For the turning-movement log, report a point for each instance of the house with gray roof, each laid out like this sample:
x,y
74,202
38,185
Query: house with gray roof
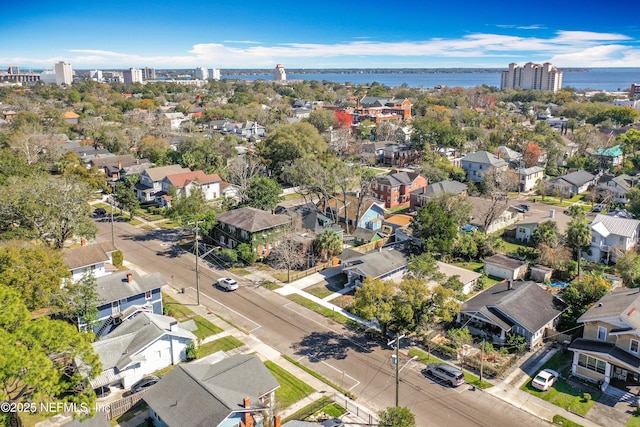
x,y
260,229
383,263
612,188
574,183
609,350
611,236
117,167
125,294
140,346
421,196
505,267
477,164
234,391
523,308
151,180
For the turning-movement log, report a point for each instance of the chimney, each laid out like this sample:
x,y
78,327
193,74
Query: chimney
x,y
509,285
246,402
276,421
129,277
83,242
173,326
119,164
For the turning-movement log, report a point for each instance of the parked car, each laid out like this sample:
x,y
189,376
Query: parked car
x,y
524,207
144,383
99,212
445,372
227,283
545,379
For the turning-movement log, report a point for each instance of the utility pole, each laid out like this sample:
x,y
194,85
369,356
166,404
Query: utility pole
x,y
481,359
397,362
113,235
197,269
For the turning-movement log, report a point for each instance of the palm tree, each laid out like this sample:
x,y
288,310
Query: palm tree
x,y
329,243
578,234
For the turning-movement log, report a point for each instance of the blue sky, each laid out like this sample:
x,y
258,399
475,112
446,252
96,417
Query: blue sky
x,y
325,34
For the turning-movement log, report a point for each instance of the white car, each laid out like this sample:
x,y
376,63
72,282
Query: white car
x,y
545,379
227,283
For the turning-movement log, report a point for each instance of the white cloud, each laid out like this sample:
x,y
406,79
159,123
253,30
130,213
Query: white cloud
x,y
565,48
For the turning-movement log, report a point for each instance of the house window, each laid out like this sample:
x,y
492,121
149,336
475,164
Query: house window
x,y
621,240
592,363
147,295
602,333
633,346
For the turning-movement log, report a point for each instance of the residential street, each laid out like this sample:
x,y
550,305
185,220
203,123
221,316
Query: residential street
x,y
323,345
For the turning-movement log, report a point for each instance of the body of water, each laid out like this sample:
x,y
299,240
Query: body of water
x,y
609,79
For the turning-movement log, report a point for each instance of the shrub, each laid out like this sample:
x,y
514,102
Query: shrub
x,y
118,258
586,397
192,351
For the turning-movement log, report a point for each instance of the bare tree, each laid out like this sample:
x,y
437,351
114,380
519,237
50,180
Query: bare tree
x,y
29,143
287,254
242,171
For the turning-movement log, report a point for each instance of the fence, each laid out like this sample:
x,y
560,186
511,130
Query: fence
x,y
355,409
305,273
115,409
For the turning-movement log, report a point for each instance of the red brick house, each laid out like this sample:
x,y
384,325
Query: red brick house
x,y
394,189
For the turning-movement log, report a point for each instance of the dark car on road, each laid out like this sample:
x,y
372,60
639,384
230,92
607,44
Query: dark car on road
x,y
144,384
99,212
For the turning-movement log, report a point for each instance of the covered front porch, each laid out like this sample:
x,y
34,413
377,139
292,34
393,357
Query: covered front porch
x,y
605,363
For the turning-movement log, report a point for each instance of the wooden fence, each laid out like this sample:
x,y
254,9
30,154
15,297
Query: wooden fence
x,y
115,409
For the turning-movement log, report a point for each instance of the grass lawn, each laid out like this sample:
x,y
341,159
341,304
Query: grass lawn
x,y
324,405
319,291
141,405
634,421
512,248
559,420
291,389
470,265
326,312
239,271
562,393
272,286
224,344
469,378
183,313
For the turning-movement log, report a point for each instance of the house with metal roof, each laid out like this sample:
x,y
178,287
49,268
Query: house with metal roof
x,y
609,350
609,157
611,236
140,346
237,390
523,308
477,164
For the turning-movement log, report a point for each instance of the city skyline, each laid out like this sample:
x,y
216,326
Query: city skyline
x,y
255,34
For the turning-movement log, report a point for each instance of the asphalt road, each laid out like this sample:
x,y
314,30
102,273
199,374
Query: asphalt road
x,y
349,360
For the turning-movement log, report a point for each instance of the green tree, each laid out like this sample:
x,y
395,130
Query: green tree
x,y
633,195
578,235
263,193
322,119
80,300
516,342
628,267
290,142
189,209
580,295
374,301
38,357
51,209
246,254
546,233
435,228
396,417
411,308
126,198
329,244
35,272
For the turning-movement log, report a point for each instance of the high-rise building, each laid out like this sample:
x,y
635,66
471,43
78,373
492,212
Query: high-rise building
x,y
64,73
148,73
532,76
202,73
132,75
214,74
279,74
13,70
635,90
96,75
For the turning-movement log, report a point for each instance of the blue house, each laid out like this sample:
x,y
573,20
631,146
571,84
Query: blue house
x,y
125,294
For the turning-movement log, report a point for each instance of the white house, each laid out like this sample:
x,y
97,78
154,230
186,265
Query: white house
x,y
530,177
141,346
468,278
151,180
611,236
93,259
186,183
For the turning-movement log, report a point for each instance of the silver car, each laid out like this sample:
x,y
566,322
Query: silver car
x,y
228,284
445,372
